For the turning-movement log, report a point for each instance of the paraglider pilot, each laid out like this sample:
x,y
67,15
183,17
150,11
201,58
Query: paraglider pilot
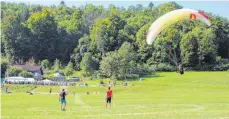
x,y
181,69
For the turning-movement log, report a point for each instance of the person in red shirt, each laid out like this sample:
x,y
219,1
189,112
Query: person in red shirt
x,y
108,97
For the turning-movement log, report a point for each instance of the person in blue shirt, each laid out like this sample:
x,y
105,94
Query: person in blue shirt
x,y
62,99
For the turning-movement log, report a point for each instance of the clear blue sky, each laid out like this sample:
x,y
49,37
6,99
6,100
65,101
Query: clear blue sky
x,y
220,8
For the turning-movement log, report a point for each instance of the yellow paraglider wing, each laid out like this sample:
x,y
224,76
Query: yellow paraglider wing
x,y
171,18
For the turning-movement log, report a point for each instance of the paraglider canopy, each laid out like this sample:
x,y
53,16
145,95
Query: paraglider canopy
x,y
173,17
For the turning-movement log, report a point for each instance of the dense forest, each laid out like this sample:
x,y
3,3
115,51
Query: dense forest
x,y
109,42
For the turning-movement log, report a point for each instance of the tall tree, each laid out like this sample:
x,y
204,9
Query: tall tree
x,y
88,64
150,5
110,65
57,66
68,69
207,49
189,48
15,37
128,59
80,51
44,36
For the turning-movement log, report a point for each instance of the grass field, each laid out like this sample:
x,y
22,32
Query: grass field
x,y
194,95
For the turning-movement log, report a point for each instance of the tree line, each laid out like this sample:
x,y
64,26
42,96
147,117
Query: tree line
x,y
110,42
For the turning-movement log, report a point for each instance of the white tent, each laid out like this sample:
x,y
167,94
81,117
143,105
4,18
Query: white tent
x,y
46,81
16,79
30,79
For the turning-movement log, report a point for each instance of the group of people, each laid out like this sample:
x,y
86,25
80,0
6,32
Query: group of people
x,y
63,102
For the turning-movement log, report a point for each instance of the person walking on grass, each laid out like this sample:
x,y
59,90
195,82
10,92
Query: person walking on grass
x,y
109,96
62,99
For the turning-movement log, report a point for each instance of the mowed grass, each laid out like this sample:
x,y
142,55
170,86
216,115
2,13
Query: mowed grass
x,y
194,95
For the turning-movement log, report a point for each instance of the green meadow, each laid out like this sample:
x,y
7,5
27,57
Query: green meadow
x,y
194,95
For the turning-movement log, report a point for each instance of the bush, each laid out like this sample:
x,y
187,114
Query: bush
x,y
143,69
57,65
26,74
129,76
221,64
13,71
68,69
96,75
4,66
164,67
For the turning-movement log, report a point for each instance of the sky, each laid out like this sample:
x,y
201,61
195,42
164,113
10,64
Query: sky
x,y
218,7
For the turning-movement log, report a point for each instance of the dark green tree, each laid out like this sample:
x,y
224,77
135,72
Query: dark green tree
x,y
88,64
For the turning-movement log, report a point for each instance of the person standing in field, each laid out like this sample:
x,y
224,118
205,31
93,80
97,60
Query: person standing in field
x,y
50,91
62,99
6,89
181,69
109,96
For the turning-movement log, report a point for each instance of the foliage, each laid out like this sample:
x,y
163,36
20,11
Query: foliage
x,y
164,67
68,69
119,63
4,66
110,65
113,37
221,64
13,71
127,59
26,74
79,51
88,64
57,66
30,61
144,69
45,64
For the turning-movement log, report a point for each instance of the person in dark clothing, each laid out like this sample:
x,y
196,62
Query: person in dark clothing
x,y
50,91
181,69
62,99
6,89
